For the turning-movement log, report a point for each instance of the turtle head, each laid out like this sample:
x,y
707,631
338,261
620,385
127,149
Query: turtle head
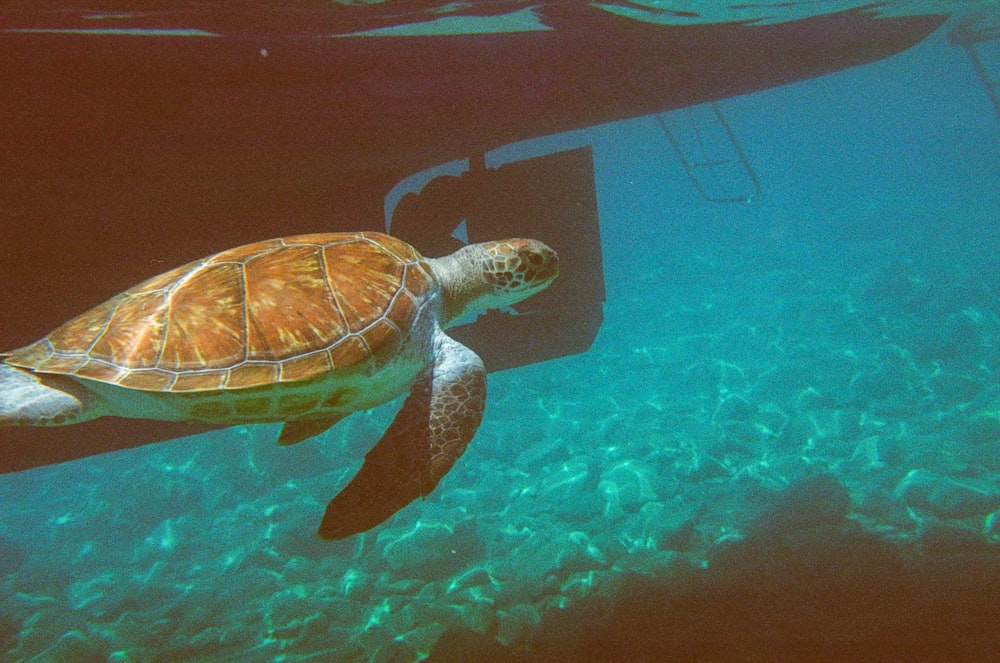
x,y
489,275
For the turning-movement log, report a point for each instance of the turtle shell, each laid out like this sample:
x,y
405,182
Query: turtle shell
x,y
282,310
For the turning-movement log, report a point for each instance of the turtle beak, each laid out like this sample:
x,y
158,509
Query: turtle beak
x,y
539,264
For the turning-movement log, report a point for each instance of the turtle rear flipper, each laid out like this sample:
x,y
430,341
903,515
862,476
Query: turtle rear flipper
x,y
430,432
26,399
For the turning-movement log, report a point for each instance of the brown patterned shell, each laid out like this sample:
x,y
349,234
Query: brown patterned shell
x,y
281,310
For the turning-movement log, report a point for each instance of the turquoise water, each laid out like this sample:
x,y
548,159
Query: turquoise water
x,y
784,444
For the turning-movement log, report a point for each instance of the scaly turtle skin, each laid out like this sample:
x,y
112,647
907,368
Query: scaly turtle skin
x,y
303,330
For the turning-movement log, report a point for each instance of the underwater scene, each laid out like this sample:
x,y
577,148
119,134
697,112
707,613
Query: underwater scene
x,y
784,443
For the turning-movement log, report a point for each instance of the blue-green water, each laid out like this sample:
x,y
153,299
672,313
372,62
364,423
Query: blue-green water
x,y
784,445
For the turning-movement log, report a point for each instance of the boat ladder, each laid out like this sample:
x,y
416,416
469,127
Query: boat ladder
x,y
713,159
980,37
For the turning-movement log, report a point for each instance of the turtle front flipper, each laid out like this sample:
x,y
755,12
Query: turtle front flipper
x,y
430,432
293,432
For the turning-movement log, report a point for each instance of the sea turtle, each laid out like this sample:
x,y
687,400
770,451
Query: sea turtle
x,y
303,330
